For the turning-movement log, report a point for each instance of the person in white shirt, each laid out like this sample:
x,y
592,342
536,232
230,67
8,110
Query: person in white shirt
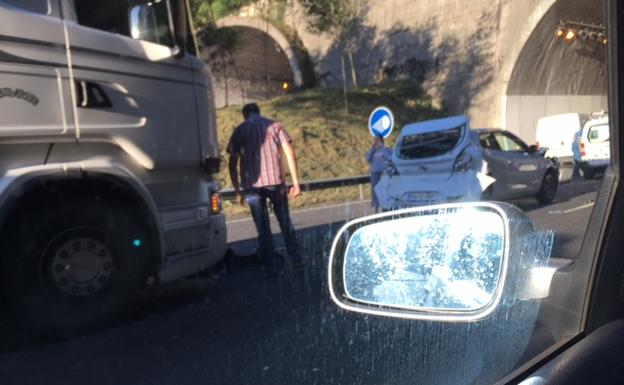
x,y
376,157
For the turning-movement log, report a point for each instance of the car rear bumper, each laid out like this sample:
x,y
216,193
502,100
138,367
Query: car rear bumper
x,y
400,191
596,163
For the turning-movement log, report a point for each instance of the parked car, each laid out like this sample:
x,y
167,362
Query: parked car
x,y
444,160
520,170
555,133
595,147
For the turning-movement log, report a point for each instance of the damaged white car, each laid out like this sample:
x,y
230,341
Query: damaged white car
x,y
444,160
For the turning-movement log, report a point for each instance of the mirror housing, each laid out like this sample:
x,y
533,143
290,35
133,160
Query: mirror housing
x,y
452,262
181,27
534,149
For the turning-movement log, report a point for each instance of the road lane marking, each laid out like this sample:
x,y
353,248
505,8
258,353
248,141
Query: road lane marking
x,y
578,208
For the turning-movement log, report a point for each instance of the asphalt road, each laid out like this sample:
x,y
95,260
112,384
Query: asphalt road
x,y
231,326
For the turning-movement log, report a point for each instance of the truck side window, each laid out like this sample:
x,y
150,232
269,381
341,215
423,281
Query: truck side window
x,y
36,6
148,21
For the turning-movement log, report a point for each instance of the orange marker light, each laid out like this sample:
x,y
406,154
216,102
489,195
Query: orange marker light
x,y
215,203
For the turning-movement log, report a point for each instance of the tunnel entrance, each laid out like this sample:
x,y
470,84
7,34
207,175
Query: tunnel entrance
x,y
555,75
256,68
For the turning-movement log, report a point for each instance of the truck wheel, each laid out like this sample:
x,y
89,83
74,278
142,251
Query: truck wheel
x,y
548,190
73,268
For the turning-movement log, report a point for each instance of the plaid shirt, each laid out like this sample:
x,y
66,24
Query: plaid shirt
x,y
257,142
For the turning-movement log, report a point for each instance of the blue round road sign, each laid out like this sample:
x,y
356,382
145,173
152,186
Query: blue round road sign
x,y
381,122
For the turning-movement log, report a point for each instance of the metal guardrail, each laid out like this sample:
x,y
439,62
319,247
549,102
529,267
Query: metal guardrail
x,y
228,194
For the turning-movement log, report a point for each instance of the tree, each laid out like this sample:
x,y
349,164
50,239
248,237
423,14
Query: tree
x,y
340,18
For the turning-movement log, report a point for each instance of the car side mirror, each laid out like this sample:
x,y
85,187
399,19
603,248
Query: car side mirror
x,y
453,262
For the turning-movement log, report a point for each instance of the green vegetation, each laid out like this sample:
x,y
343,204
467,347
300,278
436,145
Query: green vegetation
x,y
329,142
342,19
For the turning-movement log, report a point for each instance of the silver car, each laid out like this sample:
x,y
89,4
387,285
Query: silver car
x,y
519,170
443,160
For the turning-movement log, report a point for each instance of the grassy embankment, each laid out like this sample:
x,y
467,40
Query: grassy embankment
x,y
329,142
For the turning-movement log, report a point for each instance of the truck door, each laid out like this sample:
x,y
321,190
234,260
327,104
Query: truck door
x,y
35,90
132,89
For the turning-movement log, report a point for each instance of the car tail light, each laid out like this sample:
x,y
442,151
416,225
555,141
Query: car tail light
x,y
462,162
582,148
215,203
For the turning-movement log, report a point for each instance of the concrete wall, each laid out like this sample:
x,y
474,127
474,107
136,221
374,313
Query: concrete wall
x,y
464,49
465,53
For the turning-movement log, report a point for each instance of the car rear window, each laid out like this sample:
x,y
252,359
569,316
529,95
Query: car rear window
x,y
598,134
430,144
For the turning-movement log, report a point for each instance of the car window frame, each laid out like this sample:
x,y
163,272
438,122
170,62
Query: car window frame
x,y
513,138
602,244
489,136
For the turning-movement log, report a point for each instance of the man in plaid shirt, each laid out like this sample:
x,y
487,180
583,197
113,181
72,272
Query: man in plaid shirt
x,y
257,145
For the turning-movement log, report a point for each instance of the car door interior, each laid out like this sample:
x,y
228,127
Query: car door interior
x,y
596,359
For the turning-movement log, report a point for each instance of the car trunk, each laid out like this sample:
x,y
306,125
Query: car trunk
x,y
430,154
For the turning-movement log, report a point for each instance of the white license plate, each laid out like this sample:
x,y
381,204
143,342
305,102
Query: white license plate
x,y
421,196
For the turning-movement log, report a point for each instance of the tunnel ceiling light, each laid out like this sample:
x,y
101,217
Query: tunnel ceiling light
x,y
584,32
571,35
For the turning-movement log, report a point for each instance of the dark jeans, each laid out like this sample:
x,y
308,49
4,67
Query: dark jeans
x,y
576,170
257,200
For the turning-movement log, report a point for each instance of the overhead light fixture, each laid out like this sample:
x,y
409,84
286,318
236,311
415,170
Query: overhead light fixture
x,y
585,33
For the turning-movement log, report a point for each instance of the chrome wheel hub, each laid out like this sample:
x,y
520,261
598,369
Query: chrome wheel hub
x,y
81,267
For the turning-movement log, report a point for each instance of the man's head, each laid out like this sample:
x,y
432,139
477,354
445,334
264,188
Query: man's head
x,y
250,109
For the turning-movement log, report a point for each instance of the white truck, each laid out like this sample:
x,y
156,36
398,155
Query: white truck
x,y
595,146
555,133
108,157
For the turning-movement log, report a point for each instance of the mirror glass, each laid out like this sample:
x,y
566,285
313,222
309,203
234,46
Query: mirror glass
x,y
446,261
150,22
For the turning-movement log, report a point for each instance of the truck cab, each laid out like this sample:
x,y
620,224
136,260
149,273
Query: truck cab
x,y
108,156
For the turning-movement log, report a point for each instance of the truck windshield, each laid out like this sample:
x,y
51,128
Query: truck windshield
x,y
430,144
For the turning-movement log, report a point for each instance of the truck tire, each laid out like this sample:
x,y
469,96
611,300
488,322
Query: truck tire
x,y
70,269
548,189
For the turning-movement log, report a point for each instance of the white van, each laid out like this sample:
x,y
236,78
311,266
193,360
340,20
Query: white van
x,y
108,156
595,147
556,134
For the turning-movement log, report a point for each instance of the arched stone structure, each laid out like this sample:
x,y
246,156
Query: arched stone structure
x,y
545,76
266,27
